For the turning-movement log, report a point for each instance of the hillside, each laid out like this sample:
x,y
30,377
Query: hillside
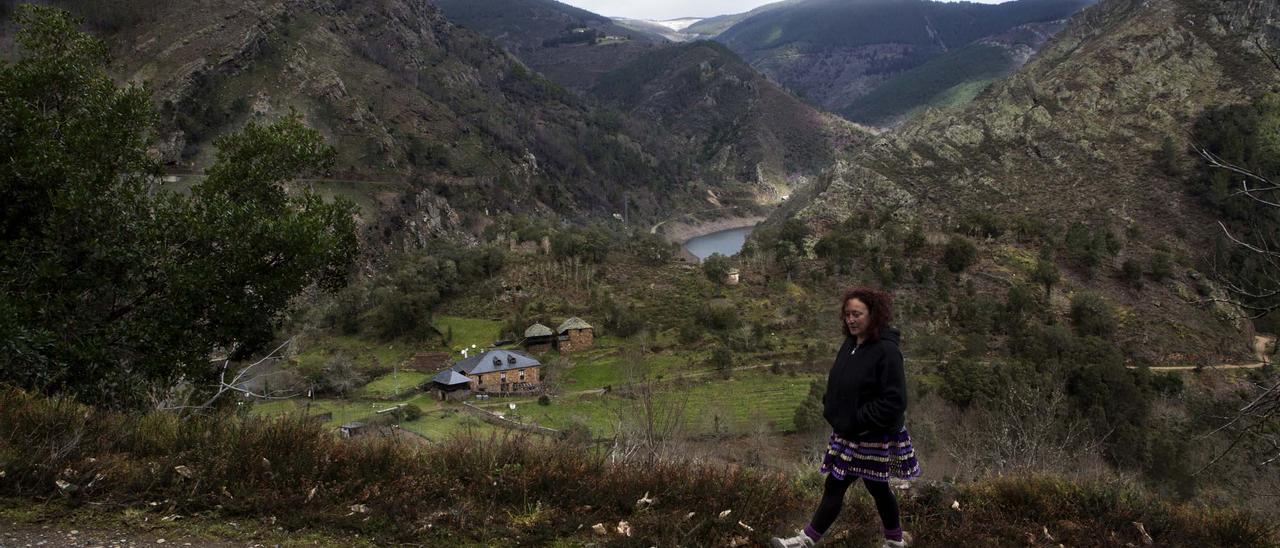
x,y
450,125
571,46
1071,141
835,52
733,117
732,123
951,79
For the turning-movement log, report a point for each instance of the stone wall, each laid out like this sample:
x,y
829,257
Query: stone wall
x,y
492,382
575,340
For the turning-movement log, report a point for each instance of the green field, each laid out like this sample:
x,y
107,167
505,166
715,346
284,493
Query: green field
x,y
604,365
440,425
365,354
343,411
469,331
743,404
393,384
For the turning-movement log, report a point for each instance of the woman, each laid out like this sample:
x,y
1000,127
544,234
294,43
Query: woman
x,y
865,403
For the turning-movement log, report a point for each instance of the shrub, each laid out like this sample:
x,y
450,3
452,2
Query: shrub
x,y
808,416
1091,315
716,268
1161,266
1131,273
959,254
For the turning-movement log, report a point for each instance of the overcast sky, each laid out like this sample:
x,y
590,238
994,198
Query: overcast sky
x,y
672,9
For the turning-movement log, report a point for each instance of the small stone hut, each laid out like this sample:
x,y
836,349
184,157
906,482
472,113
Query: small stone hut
x,y
538,339
574,335
450,385
732,277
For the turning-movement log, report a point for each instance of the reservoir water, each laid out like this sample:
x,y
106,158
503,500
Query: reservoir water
x,y
725,242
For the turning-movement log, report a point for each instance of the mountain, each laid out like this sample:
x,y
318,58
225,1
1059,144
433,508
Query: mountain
x,y
436,126
834,52
1073,139
736,125
951,79
569,45
730,115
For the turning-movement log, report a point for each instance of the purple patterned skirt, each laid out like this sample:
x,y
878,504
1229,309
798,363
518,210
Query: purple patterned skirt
x,y
875,457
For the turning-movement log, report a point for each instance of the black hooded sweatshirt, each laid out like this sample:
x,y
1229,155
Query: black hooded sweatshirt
x,y
867,387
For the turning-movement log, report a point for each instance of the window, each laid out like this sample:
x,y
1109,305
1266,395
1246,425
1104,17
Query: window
x,y
521,375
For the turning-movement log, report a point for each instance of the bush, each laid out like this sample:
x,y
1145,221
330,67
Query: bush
x,y
1161,266
808,416
966,382
716,268
544,400
1131,273
959,254
719,317
1091,315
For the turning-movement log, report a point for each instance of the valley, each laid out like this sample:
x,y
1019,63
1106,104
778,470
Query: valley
x,y
500,272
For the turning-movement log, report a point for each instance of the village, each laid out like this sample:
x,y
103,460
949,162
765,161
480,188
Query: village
x,y
562,382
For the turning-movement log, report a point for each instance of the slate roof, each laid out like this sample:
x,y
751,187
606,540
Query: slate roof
x,y
484,362
449,377
573,323
537,330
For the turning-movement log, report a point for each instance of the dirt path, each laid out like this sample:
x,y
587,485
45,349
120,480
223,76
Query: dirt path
x,y
1260,345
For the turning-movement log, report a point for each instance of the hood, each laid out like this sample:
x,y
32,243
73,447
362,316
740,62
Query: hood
x,y
892,335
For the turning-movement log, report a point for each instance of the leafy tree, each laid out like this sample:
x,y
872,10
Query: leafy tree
x,y
959,254
965,382
716,268
1161,266
1045,273
795,231
721,359
808,416
650,248
111,291
1091,315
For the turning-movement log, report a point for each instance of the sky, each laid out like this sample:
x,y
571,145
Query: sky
x,y
672,9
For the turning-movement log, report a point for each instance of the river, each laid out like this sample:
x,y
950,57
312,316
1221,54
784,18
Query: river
x,y
724,242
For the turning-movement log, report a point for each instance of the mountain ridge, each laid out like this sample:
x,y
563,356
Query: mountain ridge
x,y
1072,138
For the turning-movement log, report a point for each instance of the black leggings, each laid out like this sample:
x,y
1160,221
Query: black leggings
x,y
833,499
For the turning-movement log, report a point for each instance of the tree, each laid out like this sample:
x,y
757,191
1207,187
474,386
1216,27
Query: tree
x,y
1092,316
959,254
112,291
1045,272
808,416
716,268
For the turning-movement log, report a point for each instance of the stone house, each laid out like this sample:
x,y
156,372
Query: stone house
x,y
450,385
574,335
496,371
538,339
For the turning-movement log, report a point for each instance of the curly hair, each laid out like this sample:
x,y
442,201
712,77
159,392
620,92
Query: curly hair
x,y
879,305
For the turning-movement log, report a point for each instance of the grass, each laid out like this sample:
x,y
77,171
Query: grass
x,y
343,411
364,353
469,331
527,490
711,405
393,384
440,426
